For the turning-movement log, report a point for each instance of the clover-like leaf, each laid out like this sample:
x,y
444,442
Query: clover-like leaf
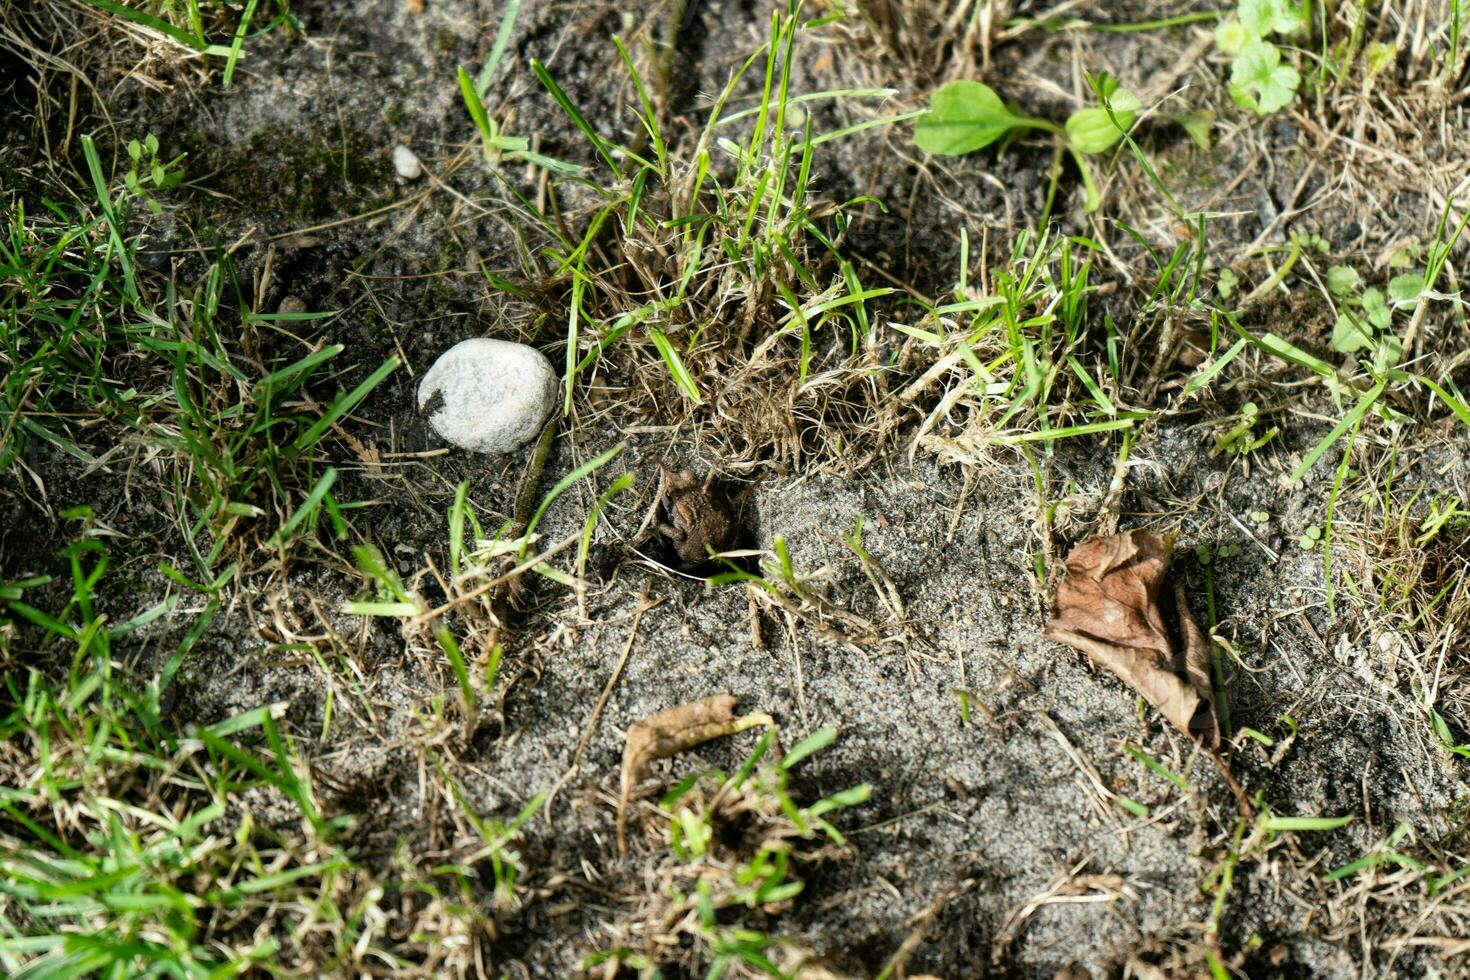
x,y
1094,130
1342,280
1350,333
1376,309
1231,36
1264,17
1226,283
966,116
1259,80
1404,290
1389,353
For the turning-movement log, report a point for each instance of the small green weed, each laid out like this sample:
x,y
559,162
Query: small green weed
x,y
1241,438
735,844
965,116
477,565
1259,79
712,261
212,28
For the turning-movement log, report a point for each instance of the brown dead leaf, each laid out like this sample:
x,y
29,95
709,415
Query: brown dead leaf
x,y
1111,605
672,731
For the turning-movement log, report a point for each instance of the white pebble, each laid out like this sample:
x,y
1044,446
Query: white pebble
x,y
497,395
406,163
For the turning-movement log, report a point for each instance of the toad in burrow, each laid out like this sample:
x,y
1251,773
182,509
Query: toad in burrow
x,y
698,520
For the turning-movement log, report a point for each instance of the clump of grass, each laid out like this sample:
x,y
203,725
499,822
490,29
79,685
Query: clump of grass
x,y
1409,555
207,28
707,280
779,586
479,585
110,821
1022,361
130,844
101,359
734,847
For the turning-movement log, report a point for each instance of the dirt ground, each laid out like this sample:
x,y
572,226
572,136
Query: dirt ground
x,y
1021,836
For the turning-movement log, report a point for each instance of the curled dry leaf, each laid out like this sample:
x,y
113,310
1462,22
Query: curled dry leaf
x,y
1113,607
670,732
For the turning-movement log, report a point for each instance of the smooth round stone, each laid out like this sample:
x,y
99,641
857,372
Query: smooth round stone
x,y
497,395
406,163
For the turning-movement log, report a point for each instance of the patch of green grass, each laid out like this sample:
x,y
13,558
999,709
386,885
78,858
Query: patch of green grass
x,y
482,569
131,847
735,847
85,337
1033,368
713,260
212,28
112,858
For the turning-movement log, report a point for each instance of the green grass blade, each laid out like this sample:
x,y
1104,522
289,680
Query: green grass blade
x,y
238,43
1274,822
573,113
591,466
114,227
345,404
675,364
497,51
308,507
1348,421
150,21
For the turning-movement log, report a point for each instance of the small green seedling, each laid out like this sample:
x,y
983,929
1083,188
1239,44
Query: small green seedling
x,y
1259,79
965,116
737,848
1445,736
1445,512
1207,554
1241,438
148,171
1383,854
1310,538
1226,283
1365,315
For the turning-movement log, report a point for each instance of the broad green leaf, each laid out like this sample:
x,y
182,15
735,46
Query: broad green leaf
x,y
1342,280
1376,308
1259,81
1231,36
1198,125
1264,17
963,117
1094,131
1350,333
1404,290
